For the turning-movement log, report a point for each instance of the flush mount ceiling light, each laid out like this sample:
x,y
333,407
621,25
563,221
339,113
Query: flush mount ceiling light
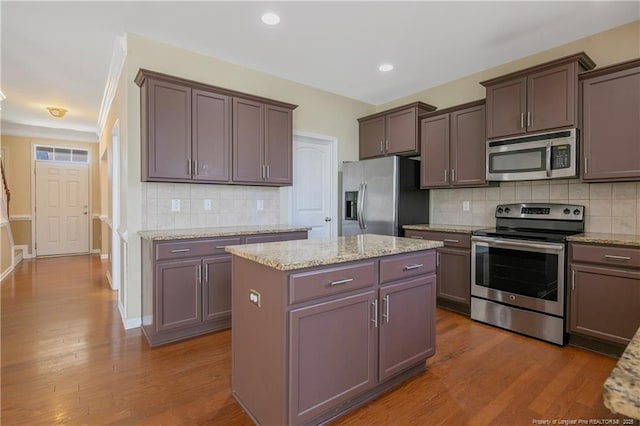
x,y
385,67
57,112
270,18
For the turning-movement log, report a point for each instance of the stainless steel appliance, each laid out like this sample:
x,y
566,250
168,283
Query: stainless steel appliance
x,y
518,268
542,156
380,195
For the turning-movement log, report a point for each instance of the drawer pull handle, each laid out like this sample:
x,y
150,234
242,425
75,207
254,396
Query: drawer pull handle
x,y
221,247
348,280
180,250
447,240
417,237
410,267
611,256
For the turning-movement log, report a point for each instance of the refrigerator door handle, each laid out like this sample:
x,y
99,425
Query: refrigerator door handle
x,y
359,211
362,206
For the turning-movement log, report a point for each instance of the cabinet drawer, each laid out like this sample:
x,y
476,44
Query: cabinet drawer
x,y
450,239
606,255
398,267
177,249
326,282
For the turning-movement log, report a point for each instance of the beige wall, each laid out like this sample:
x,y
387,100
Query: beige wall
x,y
18,150
606,48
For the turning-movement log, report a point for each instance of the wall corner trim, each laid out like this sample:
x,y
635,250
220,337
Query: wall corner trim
x,y
118,58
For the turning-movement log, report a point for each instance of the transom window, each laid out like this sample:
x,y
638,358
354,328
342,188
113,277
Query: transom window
x,y
55,153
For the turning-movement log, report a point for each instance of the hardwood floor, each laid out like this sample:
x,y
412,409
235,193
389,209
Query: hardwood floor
x,y
66,359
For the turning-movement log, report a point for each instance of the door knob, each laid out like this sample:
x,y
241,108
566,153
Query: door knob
x,y
85,213
327,219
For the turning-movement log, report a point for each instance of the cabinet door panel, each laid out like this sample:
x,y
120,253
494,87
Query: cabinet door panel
x,y
407,324
211,136
248,141
506,106
278,145
605,303
552,99
169,131
454,275
178,294
372,137
332,356
610,129
434,157
401,132
216,288
468,146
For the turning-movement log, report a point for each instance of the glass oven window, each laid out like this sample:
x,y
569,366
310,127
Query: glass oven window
x,y
520,272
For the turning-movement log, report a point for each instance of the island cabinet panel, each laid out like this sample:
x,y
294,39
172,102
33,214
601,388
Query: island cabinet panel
x,y
305,351
407,328
604,295
610,130
186,285
332,354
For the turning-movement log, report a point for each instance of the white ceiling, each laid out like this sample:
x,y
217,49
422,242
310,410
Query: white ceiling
x,y
58,53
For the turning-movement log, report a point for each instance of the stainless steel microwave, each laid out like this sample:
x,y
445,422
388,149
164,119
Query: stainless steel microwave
x,y
541,156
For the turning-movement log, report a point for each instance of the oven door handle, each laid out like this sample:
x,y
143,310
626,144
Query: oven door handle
x,y
493,242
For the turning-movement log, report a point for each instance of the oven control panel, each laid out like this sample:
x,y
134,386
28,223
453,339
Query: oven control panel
x,y
550,211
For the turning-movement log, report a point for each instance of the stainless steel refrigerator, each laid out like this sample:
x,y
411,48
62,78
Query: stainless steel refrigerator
x,y
380,195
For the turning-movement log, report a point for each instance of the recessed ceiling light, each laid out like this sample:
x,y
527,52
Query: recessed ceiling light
x,y
270,18
385,67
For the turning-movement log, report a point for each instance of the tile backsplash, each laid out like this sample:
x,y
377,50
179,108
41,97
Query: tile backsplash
x,y
609,207
230,205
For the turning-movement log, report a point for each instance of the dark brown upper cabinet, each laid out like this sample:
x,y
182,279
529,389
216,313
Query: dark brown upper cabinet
x,y
192,132
610,122
539,98
391,132
452,152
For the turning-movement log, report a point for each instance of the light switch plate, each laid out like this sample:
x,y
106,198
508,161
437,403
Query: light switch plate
x,y
207,204
465,206
260,205
175,205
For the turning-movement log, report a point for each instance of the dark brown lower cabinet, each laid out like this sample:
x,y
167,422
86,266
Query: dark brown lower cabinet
x,y
604,292
186,285
317,342
453,268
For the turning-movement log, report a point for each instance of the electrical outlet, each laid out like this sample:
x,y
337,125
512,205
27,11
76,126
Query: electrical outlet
x,y
254,297
465,206
260,205
207,204
175,205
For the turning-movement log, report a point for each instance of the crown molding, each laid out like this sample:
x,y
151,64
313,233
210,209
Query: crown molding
x,y
118,58
10,128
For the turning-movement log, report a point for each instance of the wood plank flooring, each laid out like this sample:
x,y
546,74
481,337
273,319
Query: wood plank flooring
x,y
66,359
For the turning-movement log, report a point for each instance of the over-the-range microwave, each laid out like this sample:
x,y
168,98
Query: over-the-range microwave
x,y
541,156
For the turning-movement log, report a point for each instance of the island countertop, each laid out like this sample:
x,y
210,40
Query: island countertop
x,y
298,254
622,389
217,231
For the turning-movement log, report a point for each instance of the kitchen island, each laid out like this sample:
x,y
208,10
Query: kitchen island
x,y
320,327
622,389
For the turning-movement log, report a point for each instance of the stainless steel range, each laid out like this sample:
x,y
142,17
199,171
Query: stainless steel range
x,y
518,268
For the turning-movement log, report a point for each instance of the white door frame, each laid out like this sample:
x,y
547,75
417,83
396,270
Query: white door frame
x,y
115,206
34,251
333,148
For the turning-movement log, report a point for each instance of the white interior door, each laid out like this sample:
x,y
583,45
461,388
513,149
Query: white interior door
x,y
315,188
62,208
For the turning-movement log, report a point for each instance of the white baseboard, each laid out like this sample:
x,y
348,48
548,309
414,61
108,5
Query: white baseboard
x,y
95,251
128,323
7,272
104,256
108,275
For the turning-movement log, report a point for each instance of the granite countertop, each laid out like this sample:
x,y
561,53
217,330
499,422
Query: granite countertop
x,y
220,231
460,229
622,389
597,238
290,255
